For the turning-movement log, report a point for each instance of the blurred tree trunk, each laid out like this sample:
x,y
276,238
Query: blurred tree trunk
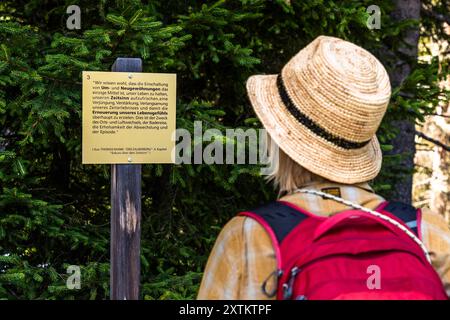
x,y
406,55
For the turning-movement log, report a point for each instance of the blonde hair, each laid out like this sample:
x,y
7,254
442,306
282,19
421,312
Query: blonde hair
x,y
286,174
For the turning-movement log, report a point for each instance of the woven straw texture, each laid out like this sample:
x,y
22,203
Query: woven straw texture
x,y
340,87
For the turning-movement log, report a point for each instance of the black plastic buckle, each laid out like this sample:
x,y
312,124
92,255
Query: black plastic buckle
x,y
288,287
277,273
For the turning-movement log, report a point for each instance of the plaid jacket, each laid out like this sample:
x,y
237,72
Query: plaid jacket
x,y
243,256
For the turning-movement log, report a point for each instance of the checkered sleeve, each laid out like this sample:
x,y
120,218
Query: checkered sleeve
x,y
223,270
436,237
241,259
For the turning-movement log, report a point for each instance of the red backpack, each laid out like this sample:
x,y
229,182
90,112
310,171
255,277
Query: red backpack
x,y
351,255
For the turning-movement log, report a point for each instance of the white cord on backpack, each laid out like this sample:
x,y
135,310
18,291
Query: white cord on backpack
x,y
372,212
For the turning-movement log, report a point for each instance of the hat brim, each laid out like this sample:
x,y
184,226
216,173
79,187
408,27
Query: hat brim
x,y
306,148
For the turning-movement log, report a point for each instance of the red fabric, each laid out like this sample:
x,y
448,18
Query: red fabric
x,y
334,255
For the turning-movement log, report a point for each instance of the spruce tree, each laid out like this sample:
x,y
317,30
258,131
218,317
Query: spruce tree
x,y
54,211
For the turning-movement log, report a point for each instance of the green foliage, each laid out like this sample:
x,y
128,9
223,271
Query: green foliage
x,y
54,212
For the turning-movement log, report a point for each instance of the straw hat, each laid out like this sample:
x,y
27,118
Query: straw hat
x,y
324,108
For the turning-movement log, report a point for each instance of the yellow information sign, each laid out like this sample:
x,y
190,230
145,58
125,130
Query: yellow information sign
x,y
128,117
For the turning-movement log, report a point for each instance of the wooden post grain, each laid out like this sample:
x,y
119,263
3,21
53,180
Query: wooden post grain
x,y
125,217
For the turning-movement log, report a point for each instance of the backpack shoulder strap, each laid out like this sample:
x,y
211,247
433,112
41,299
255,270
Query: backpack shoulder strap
x,y
278,218
408,214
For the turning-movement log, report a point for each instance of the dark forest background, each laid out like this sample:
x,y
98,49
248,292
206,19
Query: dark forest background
x,y
54,211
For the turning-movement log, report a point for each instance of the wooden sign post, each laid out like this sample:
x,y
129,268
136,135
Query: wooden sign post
x,y
125,267
129,118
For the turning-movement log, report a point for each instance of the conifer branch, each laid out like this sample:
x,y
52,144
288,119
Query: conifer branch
x,y
434,141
